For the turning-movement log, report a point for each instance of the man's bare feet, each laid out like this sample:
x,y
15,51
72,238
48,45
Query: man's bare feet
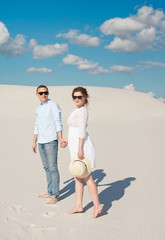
x,y
75,210
53,200
97,211
45,196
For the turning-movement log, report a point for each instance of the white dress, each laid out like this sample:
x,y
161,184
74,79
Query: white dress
x,y
77,122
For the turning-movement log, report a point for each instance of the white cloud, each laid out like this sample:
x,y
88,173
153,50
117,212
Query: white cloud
x,y
153,64
136,33
121,68
129,87
80,39
120,26
39,70
141,41
48,50
11,47
98,70
84,64
4,34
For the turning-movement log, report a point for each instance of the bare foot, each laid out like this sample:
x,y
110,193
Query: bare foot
x,y
75,210
45,196
53,200
97,211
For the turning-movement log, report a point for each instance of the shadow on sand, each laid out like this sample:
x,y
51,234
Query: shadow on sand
x,y
113,192
69,189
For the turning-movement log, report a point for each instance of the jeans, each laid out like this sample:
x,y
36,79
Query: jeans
x,y
48,152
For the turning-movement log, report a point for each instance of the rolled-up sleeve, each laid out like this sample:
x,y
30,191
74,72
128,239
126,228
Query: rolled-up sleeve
x,y
56,111
82,122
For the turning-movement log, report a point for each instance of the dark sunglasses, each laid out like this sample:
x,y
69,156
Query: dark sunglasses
x,y
41,93
79,97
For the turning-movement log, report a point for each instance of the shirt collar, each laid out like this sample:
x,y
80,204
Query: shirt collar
x,y
45,102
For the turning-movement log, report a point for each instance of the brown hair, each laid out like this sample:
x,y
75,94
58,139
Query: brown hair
x,y
83,91
41,86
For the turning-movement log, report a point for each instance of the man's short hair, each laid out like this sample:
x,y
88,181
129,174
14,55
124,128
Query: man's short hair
x,y
42,86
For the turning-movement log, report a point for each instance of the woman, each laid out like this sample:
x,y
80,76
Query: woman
x,y
81,145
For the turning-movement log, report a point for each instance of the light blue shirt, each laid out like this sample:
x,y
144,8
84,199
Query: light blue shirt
x,y
48,122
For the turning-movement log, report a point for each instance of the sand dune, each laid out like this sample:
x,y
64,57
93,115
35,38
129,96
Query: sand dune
x,y
128,131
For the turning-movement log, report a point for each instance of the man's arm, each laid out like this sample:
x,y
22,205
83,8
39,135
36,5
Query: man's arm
x,y
63,143
56,111
35,143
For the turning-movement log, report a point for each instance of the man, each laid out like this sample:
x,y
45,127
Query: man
x,y
47,133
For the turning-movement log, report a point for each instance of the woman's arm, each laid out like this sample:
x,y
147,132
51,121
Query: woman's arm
x,y
80,148
82,122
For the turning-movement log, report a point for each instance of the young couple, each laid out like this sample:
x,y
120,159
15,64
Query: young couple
x,y
48,132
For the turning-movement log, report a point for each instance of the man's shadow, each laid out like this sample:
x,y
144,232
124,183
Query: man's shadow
x,y
69,189
113,192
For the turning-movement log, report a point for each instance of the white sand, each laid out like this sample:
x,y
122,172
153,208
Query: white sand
x,y
128,131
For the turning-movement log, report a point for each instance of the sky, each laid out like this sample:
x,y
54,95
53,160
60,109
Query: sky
x,y
108,43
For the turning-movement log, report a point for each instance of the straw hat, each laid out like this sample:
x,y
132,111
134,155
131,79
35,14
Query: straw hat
x,y
80,168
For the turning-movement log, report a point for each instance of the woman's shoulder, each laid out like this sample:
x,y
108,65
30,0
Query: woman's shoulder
x,y
84,109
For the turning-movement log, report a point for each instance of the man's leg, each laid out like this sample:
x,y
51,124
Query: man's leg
x,y
51,149
45,164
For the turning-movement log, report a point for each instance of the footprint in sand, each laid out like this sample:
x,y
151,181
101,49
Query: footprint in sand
x,y
49,214
46,228
20,209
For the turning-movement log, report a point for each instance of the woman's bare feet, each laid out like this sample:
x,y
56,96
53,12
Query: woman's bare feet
x,y
53,200
97,211
76,210
45,196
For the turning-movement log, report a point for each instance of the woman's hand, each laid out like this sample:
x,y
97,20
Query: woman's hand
x,y
80,155
63,143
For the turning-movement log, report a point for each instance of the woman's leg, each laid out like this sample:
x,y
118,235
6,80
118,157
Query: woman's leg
x,y
79,188
94,195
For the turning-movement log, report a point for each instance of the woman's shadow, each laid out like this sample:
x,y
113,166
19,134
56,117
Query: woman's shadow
x,y
113,192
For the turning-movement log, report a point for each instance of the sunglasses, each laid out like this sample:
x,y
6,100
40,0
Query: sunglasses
x,y
79,97
41,93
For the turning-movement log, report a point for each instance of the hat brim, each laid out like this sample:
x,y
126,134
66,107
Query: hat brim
x,y
87,163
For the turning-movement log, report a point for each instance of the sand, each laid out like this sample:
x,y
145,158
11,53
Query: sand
x,y
128,131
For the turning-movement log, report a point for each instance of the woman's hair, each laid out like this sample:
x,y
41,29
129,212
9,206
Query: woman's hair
x,y
83,91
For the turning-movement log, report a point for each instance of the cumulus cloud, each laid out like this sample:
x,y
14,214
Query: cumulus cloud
x,y
80,39
11,47
39,70
129,87
121,26
121,68
84,64
4,34
48,50
136,33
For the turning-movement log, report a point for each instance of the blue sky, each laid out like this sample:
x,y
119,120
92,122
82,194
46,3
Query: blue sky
x,y
96,42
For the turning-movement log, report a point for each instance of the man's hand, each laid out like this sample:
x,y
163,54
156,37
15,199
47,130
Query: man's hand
x,y
34,147
63,143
